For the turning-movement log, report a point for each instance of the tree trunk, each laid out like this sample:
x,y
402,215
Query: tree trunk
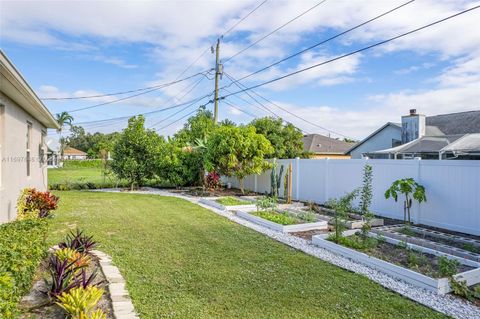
x,y
240,181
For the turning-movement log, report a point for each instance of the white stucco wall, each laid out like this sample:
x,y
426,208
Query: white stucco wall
x,y
13,166
380,141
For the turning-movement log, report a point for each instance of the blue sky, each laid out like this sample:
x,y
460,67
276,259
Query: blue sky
x,y
69,48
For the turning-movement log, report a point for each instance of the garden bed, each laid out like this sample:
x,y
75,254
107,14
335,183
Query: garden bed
x,y
228,203
37,304
282,222
354,221
456,245
419,269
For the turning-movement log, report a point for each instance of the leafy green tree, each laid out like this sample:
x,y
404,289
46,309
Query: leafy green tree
x,y
409,188
197,127
285,139
136,152
237,151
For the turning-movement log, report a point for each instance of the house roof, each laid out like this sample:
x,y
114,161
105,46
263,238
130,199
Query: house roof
x,y
321,144
456,123
73,151
16,88
392,124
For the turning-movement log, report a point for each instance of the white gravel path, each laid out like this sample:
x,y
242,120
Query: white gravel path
x,y
446,304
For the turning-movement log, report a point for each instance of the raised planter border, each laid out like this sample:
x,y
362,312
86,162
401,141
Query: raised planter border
x,y
122,306
439,286
211,201
352,224
281,228
387,231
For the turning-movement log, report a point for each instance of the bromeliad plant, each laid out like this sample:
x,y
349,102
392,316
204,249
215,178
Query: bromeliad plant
x,y
79,302
79,241
410,189
80,260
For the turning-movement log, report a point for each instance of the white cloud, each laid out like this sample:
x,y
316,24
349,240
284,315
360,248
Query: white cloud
x,y
115,61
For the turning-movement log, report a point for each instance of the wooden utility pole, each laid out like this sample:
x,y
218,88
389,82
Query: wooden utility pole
x,y
218,72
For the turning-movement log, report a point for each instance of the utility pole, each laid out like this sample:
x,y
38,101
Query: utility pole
x,y
218,72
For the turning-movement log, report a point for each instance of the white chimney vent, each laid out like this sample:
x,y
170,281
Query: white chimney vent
x,y
413,126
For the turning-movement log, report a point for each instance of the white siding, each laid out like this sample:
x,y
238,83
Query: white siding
x,y
380,141
13,166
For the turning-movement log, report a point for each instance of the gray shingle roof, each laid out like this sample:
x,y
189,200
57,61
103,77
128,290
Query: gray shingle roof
x,y
316,143
455,123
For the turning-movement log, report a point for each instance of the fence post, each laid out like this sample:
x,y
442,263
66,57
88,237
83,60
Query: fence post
x,y
325,180
419,181
297,178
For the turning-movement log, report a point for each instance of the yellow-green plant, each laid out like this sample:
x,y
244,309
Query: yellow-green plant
x,y
78,259
97,314
79,302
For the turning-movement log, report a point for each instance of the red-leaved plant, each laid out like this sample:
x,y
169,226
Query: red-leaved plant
x,y
212,181
32,200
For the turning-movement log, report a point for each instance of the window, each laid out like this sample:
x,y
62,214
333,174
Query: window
x,y
29,145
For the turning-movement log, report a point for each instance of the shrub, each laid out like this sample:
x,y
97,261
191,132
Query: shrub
x,y
93,163
22,247
33,203
79,302
212,181
78,241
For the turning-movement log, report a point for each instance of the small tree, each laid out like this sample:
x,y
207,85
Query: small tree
x,y
410,188
237,151
366,198
135,152
341,209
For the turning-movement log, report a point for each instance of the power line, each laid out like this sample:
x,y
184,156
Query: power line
x,y
274,31
148,113
239,109
177,120
351,53
286,110
131,96
326,40
123,92
242,19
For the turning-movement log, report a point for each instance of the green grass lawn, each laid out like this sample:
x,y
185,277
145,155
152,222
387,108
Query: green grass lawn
x,y
75,175
183,261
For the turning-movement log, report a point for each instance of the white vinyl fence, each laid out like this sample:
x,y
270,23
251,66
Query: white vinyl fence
x,y
452,187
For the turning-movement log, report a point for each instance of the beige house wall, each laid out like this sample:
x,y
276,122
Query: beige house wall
x,y
13,148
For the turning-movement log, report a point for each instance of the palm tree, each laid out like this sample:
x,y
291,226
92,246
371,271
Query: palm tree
x,y
63,119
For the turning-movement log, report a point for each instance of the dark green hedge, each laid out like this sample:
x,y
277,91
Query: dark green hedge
x,y
22,247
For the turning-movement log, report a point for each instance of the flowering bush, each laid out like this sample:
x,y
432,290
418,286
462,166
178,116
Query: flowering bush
x,y
34,203
212,181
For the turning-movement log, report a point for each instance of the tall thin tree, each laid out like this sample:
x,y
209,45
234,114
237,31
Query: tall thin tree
x,y
63,119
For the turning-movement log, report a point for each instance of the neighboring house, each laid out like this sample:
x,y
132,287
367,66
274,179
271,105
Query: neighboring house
x,y
389,135
23,128
446,136
70,153
322,146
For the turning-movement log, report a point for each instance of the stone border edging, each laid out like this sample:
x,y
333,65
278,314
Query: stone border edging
x,y
122,306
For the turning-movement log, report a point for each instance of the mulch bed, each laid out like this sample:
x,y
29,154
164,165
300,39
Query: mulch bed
x,y
37,304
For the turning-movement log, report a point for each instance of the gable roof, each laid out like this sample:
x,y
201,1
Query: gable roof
x,y
73,151
321,144
392,124
16,88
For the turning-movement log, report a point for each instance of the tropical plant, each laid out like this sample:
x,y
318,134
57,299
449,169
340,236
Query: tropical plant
x,y
136,152
212,181
79,242
237,151
79,301
63,119
366,199
275,179
79,260
62,276
34,203
409,188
